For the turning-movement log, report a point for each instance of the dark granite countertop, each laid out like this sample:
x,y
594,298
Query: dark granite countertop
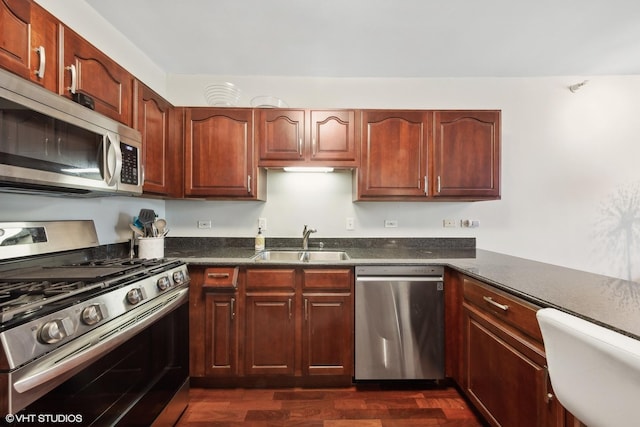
x,y
610,302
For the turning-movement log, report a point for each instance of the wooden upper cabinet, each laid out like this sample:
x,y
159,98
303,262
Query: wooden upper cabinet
x,y
44,48
306,137
85,69
280,134
219,154
15,19
160,126
467,154
394,154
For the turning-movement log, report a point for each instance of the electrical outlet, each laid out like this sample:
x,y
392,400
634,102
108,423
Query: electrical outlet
x,y
350,223
470,223
262,223
448,223
390,223
204,223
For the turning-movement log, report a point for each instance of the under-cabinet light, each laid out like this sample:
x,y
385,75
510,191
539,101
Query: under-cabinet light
x,y
307,169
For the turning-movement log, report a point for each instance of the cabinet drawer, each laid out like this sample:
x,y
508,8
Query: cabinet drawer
x,y
271,278
514,311
327,278
220,278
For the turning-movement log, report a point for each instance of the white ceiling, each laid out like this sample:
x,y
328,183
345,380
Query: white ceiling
x,y
383,38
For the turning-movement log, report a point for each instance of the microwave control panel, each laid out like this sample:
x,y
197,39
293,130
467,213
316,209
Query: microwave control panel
x,y
129,173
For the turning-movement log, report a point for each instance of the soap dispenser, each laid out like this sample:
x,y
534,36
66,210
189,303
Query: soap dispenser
x,y
259,246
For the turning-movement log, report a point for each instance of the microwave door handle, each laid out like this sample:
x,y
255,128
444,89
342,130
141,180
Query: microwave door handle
x,y
113,160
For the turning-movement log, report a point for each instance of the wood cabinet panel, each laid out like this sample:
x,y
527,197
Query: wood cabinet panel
x,y
307,137
504,383
333,136
221,278
15,18
221,334
270,339
281,134
504,373
517,313
467,154
219,154
260,279
327,278
87,70
162,148
44,48
327,339
394,154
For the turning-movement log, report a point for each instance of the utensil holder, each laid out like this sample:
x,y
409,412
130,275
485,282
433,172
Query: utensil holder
x,y
151,247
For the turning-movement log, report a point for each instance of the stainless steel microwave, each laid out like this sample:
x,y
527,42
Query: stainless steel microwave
x,y
51,145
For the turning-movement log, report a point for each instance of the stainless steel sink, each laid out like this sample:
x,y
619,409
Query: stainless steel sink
x,y
304,256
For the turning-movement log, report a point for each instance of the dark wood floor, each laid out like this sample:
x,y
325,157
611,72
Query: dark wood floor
x,y
367,406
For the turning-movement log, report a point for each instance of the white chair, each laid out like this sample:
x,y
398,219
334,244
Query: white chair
x,y
594,371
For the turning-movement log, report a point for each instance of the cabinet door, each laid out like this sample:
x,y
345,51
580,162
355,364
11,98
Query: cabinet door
x,y
87,70
221,334
44,48
219,152
162,152
467,154
327,337
505,376
270,334
333,136
394,154
281,134
14,35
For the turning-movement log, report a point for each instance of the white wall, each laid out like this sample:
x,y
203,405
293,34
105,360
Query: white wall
x,y
570,181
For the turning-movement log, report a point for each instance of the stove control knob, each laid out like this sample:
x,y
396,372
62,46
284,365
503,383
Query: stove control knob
x,y
134,296
178,277
164,283
92,314
56,330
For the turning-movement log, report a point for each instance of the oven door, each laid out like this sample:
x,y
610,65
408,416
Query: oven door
x,y
130,377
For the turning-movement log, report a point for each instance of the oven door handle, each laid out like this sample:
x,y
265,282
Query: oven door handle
x,y
79,358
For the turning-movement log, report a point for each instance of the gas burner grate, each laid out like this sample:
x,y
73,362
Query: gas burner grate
x,y
22,298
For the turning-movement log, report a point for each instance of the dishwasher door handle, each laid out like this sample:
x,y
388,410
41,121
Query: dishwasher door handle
x,y
399,279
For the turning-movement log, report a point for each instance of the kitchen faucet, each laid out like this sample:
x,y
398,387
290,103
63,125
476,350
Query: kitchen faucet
x,y
305,236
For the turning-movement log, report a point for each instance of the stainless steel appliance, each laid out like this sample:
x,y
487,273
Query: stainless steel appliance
x,y
399,323
52,145
103,341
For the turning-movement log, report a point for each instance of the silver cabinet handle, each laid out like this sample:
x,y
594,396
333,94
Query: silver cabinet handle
x,y
218,275
233,308
43,61
248,183
74,78
502,307
438,183
300,146
426,185
290,308
306,309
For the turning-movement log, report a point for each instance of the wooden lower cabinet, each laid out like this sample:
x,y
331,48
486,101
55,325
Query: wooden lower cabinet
x,y
270,334
221,334
278,326
504,367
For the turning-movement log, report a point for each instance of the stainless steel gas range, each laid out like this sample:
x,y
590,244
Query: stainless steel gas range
x,y
101,341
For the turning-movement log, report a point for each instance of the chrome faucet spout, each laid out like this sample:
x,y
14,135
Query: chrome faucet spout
x,y
305,236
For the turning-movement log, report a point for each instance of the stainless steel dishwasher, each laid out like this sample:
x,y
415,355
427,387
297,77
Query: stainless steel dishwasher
x,y
399,323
